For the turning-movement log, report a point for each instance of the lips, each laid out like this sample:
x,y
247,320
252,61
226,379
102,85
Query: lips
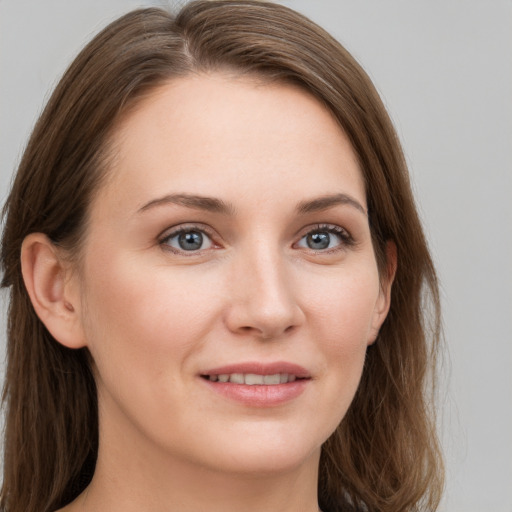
x,y
252,379
258,384
256,368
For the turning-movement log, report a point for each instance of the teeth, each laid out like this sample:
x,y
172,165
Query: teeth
x,y
272,379
252,379
236,378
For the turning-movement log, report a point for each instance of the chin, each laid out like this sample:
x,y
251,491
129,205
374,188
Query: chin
x,y
265,462
259,449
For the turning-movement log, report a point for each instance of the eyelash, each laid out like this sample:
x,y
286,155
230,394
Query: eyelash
x,y
192,228
346,240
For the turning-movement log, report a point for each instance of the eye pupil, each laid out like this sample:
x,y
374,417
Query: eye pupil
x,y
190,241
318,240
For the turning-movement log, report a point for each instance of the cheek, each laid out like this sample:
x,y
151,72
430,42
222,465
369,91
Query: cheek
x,y
343,307
341,314
144,321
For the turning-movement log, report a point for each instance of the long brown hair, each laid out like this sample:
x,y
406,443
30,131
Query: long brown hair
x,y
384,456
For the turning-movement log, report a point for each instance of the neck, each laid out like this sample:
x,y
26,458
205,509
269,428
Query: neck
x,y
184,488
187,491
132,475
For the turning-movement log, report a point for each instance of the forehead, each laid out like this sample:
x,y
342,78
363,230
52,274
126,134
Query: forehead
x,y
223,136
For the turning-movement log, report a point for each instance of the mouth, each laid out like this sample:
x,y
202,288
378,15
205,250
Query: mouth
x,y
254,379
258,384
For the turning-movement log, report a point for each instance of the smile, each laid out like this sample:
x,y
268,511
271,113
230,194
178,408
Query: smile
x,y
257,384
253,379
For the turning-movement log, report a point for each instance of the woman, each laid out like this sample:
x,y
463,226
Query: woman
x,y
222,296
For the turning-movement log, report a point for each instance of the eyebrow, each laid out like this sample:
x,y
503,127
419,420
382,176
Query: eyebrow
x,y
215,205
210,204
326,202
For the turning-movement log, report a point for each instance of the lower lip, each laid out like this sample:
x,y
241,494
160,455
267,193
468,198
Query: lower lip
x,y
259,395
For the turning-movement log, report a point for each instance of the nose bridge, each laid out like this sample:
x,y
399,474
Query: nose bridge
x,y
264,301
268,270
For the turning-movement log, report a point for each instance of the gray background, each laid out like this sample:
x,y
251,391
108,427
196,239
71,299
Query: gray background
x,y
444,69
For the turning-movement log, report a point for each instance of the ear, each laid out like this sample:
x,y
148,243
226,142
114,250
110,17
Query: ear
x,y
384,300
52,289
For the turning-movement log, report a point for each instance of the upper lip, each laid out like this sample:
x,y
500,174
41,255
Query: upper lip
x,y
260,368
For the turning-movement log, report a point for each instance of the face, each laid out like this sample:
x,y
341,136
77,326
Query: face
x,y
229,287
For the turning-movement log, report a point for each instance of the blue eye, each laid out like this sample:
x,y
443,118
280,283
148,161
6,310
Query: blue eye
x,y
188,240
325,237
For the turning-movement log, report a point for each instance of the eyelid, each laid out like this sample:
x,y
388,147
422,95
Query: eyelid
x,y
346,238
187,227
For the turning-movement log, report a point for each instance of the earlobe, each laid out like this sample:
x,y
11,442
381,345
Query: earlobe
x,y
384,300
51,290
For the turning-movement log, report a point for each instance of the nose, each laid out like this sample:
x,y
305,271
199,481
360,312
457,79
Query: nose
x,y
263,301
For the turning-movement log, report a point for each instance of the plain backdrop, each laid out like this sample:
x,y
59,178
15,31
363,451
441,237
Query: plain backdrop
x,y
444,70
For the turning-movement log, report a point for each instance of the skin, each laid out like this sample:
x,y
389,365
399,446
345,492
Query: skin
x,y
154,316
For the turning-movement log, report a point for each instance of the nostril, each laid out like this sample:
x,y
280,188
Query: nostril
x,y
265,333
263,318
246,328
